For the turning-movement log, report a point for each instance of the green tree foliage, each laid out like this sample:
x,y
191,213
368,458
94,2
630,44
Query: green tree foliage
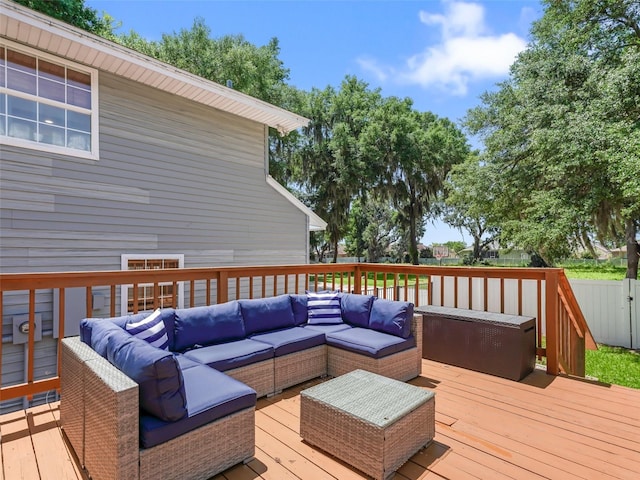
x,y
562,134
371,229
412,153
455,246
73,12
470,201
256,71
330,166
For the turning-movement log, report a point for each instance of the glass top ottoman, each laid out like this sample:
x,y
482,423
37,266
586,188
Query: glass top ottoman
x,y
371,422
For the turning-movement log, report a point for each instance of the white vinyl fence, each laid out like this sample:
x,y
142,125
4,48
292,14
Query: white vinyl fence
x,y
611,308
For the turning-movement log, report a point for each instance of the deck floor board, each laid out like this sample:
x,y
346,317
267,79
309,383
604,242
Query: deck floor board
x,y
486,427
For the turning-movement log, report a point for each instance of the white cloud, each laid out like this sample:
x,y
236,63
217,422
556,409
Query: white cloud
x,y
466,52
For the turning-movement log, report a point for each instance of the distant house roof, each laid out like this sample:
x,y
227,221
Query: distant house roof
x,y
47,34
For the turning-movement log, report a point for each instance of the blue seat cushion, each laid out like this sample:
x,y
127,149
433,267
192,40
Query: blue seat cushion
x,y
226,356
208,325
356,309
328,328
369,342
156,371
265,314
299,304
391,317
211,395
290,340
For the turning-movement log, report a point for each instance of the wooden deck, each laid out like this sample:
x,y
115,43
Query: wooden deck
x,y
486,427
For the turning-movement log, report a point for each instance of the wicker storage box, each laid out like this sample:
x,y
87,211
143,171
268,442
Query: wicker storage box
x,y
369,421
494,343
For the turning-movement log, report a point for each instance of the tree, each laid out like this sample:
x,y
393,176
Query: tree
x,y
73,12
413,151
256,71
330,166
455,246
562,133
470,201
371,229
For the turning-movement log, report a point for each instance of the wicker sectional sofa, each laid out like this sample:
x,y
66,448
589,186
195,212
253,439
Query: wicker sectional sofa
x,y
133,410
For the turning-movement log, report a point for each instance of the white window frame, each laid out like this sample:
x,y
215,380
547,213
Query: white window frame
x,y
93,153
124,265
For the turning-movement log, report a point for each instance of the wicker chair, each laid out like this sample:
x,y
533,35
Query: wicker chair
x,y
99,413
401,366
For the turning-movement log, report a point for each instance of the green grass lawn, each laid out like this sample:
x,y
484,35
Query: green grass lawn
x,y
615,365
593,272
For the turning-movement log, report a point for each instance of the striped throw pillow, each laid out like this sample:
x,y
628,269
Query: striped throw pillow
x,y
323,308
151,329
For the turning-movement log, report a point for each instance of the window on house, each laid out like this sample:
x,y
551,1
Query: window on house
x,y
169,295
46,103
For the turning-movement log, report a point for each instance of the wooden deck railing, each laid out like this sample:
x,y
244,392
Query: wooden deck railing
x,y
543,293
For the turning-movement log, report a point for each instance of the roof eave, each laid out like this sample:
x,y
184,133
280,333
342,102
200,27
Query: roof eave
x,y
35,29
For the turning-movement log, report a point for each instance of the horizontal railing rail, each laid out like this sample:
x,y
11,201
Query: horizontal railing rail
x,y
543,293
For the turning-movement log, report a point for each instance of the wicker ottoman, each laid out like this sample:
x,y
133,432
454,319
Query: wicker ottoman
x,y
371,422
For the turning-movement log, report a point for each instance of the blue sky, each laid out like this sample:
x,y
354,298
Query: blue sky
x,y
441,53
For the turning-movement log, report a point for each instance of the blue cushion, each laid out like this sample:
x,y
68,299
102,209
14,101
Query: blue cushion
x,y
328,328
391,317
323,307
96,331
161,388
290,340
151,329
356,309
369,342
264,314
205,404
299,304
208,325
86,325
226,356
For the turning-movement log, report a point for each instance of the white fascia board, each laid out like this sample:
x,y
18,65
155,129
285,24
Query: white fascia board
x,y
316,223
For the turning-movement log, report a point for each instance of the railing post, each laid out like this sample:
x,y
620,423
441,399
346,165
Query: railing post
x,y
357,285
223,287
551,313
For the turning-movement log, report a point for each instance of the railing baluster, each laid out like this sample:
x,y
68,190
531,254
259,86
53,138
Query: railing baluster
x,y
61,319
112,300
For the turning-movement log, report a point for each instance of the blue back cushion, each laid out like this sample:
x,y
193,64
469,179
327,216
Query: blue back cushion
x,y
208,325
86,326
323,308
299,304
157,373
264,314
356,309
96,331
391,317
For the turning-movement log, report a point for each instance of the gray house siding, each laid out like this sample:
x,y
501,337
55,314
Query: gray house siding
x,y
174,177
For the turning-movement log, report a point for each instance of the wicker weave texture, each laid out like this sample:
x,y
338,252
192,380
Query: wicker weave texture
x,y
74,355
370,447
258,376
204,452
111,422
300,366
400,366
